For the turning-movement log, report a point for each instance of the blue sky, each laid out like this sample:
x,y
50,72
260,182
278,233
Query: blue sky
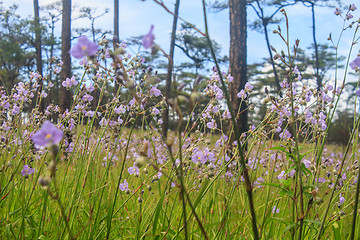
x,y
136,17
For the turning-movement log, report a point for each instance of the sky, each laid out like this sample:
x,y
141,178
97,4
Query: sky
x,y
136,17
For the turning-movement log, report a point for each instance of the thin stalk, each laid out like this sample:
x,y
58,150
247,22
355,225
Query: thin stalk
x,y
237,133
353,224
117,188
337,179
331,117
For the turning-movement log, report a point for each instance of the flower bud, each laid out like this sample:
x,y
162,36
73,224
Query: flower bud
x,y
52,167
119,51
195,97
140,161
44,181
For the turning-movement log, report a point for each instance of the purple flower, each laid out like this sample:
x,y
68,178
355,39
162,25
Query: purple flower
x,y
306,162
120,109
337,12
358,93
281,175
198,157
218,93
308,116
155,111
90,113
83,48
134,170
296,71
248,87
212,124
275,210
87,97
48,134
69,82
154,91
241,94
83,62
103,122
148,39
355,64
349,16
34,75
341,200
15,110
6,105
124,186
159,174
27,170
322,180
90,89
352,7
226,114
284,84
285,134
209,155
215,109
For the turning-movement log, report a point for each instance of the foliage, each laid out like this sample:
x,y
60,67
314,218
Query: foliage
x,y
121,178
15,43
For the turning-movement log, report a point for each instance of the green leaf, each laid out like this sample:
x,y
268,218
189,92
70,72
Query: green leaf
x,y
283,191
289,227
42,237
313,222
336,231
200,195
157,213
278,148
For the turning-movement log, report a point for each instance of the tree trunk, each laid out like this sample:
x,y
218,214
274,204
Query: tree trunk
x,y
238,64
39,65
317,65
165,114
116,23
116,36
65,94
